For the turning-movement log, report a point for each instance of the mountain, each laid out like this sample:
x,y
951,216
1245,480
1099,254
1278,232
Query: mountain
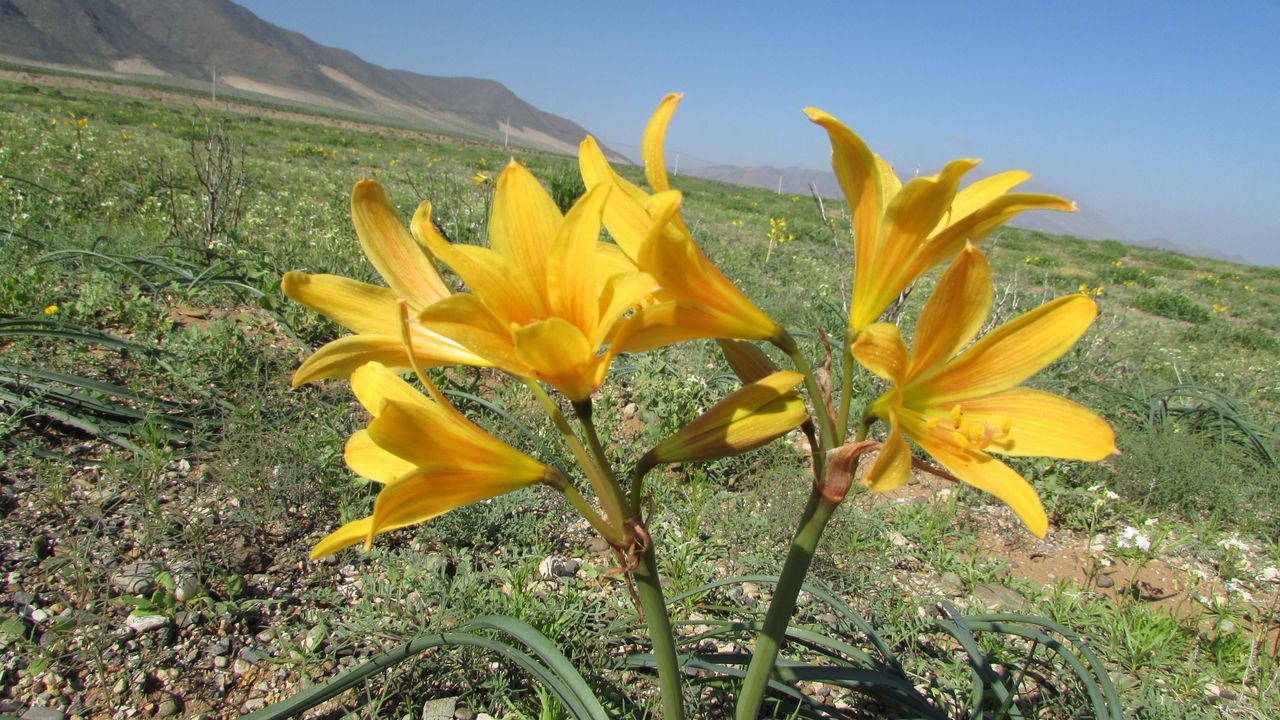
x,y
195,43
1084,223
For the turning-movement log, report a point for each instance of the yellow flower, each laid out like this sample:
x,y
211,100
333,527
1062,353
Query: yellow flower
x,y
50,309
694,300
547,295
745,420
428,456
1220,308
481,179
961,407
900,231
373,311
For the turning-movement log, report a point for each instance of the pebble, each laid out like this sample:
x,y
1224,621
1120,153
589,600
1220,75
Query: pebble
x,y
43,713
169,707
136,578
439,709
951,584
1105,581
146,623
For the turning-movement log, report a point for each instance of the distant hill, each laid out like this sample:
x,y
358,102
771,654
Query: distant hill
x,y
1084,223
190,42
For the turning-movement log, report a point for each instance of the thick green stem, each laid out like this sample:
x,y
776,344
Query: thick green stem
x,y
826,428
649,588
773,633
600,477
613,498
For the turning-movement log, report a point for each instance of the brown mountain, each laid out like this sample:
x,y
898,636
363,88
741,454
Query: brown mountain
x,y
193,42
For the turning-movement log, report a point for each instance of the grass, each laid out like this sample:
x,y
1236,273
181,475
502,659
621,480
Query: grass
x,y
101,220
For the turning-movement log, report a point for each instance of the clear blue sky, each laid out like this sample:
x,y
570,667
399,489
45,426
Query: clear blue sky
x,y
1162,117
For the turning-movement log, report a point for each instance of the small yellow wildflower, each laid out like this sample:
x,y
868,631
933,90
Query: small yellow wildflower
x,y
1220,308
82,122
50,309
481,179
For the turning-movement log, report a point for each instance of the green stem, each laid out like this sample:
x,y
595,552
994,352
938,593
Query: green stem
x,y
602,526
649,588
612,497
826,428
773,632
601,479
846,385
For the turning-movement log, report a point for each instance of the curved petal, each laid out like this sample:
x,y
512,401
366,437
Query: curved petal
x,y
909,217
978,224
879,348
1041,424
524,221
988,475
892,467
860,177
655,169
979,193
421,496
468,321
374,385
571,281
954,312
359,307
675,321
1006,355
391,249
748,418
343,356
620,293
558,353
356,531
506,288
624,215
369,461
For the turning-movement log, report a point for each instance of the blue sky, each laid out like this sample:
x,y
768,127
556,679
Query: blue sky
x,y
1161,117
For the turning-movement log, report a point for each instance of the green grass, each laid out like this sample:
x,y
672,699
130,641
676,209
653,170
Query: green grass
x,y
102,221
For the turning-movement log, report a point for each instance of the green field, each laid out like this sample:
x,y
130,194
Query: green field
x,y
157,465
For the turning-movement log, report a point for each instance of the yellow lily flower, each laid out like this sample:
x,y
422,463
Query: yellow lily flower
x,y
694,299
546,295
373,311
962,407
748,418
901,231
429,457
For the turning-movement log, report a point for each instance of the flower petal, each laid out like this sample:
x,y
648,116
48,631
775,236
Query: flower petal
x,y
374,384
468,321
359,307
954,312
356,531
746,419
571,281
655,169
892,467
979,193
524,221
987,474
369,461
860,177
978,224
510,293
879,348
624,215
1042,424
1006,355
391,249
675,321
421,496
341,357
558,353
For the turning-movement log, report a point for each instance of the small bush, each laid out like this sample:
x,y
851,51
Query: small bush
x,y
1253,338
1174,306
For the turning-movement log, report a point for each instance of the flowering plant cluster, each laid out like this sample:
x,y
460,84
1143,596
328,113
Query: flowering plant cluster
x,y
551,304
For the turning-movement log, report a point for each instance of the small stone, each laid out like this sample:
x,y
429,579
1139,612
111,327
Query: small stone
x,y
136,578
43,713
463,713
484,716
146,623
1105,581
169,707
315,637
220,662
439,709
951,584
219,648
241,667
187,618
998,597
187,589
898,540
1226,627
265,636
250,655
